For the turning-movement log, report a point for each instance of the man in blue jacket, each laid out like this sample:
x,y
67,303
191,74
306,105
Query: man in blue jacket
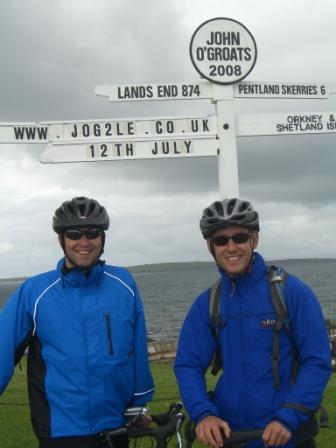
x,y
245,396
84,327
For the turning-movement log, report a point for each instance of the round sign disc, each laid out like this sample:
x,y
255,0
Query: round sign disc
x,y
223,51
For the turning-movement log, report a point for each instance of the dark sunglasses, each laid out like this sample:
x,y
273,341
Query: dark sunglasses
x,y
238,238
76,234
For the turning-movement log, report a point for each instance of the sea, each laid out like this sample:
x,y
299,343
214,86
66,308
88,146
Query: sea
x,y
169,289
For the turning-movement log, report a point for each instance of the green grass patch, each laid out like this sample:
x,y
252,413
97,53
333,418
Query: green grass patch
x,y
15,426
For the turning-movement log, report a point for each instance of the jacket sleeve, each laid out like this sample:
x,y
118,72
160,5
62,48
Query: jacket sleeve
x,y
194,353
144,386
310,335
15,330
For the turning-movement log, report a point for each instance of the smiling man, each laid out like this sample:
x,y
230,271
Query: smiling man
x,y
84,327
246,395
80,224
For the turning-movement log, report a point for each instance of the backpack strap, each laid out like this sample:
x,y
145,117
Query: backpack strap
x,y
299,407
277,279
216,323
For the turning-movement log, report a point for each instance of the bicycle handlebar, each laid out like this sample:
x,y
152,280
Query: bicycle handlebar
x,y
161,433
239,437
168,423
165,417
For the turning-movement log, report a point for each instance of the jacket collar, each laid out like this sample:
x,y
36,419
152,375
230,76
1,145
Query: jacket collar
x,y
75,277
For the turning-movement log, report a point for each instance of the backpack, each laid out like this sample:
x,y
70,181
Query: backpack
x,y
277,279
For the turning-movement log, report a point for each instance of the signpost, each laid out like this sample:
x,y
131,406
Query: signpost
x,y
224,52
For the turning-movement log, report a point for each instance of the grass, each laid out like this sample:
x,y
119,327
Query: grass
x,y
15,427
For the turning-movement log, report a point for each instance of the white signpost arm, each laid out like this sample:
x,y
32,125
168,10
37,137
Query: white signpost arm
x,y
197,90
227,157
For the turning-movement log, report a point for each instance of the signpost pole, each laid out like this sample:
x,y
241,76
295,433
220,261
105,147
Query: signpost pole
x,y
224,52
227,157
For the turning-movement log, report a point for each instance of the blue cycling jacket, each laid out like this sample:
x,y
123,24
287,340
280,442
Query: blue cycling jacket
x,y
87,357
245,395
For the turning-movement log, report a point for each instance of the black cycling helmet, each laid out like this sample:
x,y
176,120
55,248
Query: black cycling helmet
x,y
79,212
228,212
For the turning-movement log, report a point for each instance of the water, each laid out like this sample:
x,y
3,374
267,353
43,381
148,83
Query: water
x,y
168,294
169,291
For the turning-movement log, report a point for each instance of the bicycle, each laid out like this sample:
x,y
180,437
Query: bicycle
x,y
167,424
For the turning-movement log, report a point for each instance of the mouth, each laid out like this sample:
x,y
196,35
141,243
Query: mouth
x,y
233,258
83,252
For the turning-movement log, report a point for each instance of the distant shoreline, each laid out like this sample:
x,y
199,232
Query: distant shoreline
x,y
184,265
151,267
13,279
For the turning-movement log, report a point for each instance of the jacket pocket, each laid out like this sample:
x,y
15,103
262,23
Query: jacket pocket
x,y
108,332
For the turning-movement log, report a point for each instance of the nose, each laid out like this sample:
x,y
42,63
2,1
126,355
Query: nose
x,y
231,244
83,240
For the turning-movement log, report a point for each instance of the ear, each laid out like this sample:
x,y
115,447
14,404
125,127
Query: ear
x,y
255,240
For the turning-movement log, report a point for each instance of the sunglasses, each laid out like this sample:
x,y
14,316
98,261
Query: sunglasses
x,y
238,238
76,234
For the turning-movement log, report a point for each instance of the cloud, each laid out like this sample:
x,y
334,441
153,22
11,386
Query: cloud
x,y
5,247
54,54
300,232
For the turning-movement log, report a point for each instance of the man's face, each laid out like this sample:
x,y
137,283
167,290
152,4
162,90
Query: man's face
x,y
84,251
234,257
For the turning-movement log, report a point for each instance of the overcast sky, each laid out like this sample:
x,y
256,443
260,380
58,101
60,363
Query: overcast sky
x,y
54,53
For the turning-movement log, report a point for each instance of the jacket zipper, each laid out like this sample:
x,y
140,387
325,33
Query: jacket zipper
x,y
233,289
109,333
